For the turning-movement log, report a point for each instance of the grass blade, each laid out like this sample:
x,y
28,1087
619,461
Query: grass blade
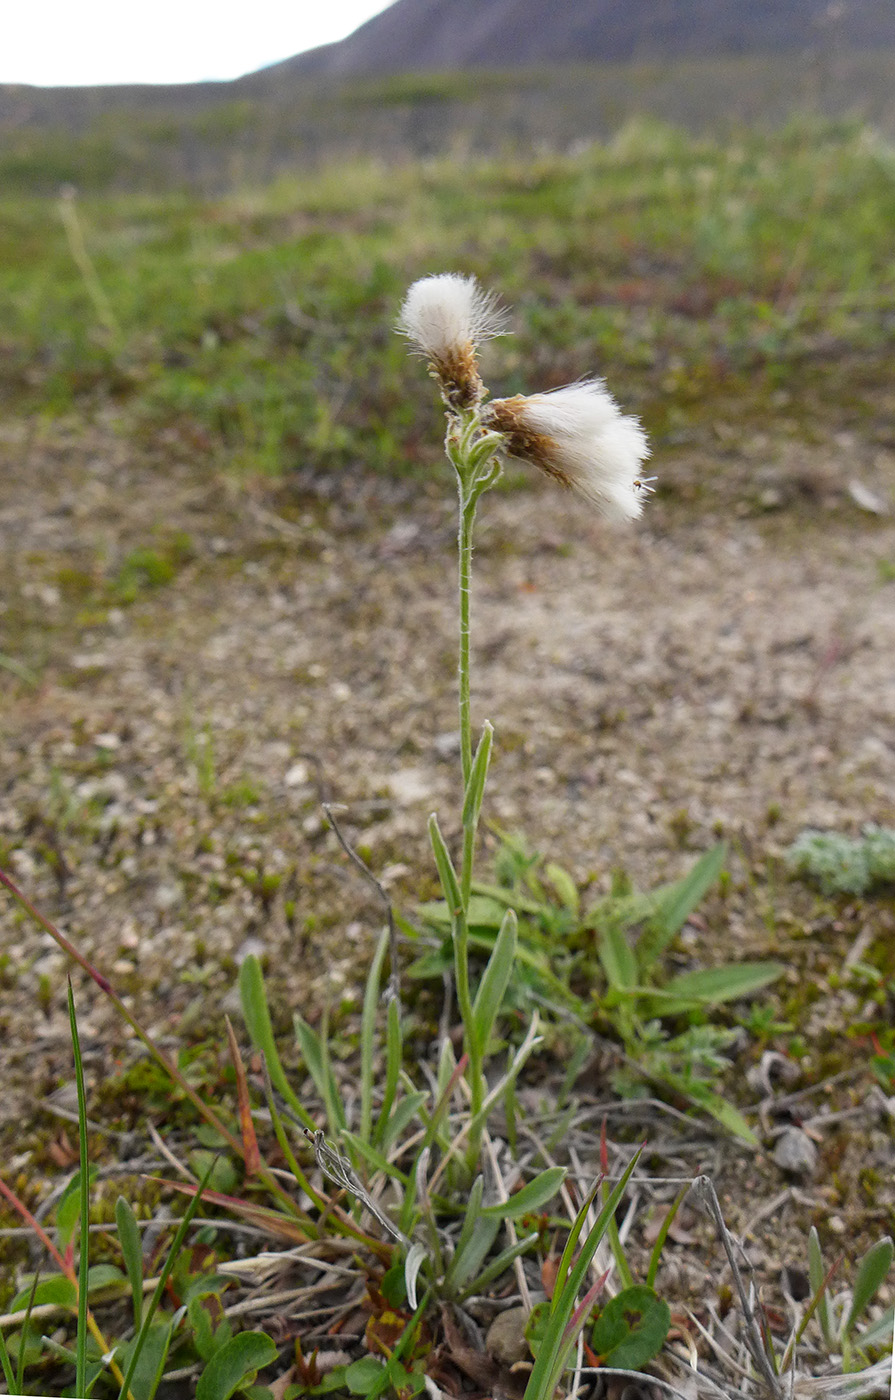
x,y
558,1338
393,1054
250,1151
84,1232
173,1252
257,1018
315,1052
367,1033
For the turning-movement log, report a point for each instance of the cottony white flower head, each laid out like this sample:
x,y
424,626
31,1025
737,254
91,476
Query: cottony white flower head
x,y
580,437
446,318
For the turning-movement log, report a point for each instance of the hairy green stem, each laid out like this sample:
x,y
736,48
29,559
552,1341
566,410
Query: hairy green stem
x,y
467,516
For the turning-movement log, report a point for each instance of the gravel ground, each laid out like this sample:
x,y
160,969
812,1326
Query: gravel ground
x,y
723,668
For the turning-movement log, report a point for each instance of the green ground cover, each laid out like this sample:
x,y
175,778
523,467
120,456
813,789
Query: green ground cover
x,y
755,270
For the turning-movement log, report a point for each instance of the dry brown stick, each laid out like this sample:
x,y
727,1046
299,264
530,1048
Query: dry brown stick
x,y
394,981
704,1189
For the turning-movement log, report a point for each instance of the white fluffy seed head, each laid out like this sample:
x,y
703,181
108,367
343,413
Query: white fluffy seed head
x,y
579,436
448,315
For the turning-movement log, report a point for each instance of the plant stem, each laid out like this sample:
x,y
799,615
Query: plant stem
x,y
467,516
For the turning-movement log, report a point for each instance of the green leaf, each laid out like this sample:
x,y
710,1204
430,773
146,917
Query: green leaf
x,y
235,1365
405,1112
368,1034
564,885
102,1276
475,788
393,1058
725,1113
203,1332
361,1376
532,1195
150,1363
68,1208
315,1053
816,1277
711,986
497,1265
676,903
872,1270
364,1152
57,1289
618,959
879,1333
473,1206
467,1261
446,873
558,1338
490,994
631,1328
132,1249
257,1019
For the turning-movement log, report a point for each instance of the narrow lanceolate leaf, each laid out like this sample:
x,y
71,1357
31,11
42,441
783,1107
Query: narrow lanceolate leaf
x,y
817,1279
872,1270
257,1019
150,1365
713,985
315,1052
131,1248
475,788
235,1365
250,1149
618,959
406,1110
559,1337
446,872
532,1196
489,996
84,1202
393,1057
677,902
473,1207
367,1034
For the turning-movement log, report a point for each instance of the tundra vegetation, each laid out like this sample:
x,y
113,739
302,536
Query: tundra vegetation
x,y
335,1111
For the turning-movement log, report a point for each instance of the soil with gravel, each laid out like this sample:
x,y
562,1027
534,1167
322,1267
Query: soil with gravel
x,y
723,668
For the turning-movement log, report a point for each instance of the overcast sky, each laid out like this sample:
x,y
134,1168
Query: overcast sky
x,y
71,42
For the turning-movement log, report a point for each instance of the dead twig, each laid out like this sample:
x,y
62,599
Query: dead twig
x,y
394,982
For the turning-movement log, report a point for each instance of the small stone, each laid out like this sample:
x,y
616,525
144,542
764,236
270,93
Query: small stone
x,y
297,775
796,1153
506,1340
409,785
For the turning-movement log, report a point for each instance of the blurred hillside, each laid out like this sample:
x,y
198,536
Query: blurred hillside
x,y
414,36
214,137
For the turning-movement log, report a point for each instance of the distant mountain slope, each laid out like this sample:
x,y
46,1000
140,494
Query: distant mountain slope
x,y
426,35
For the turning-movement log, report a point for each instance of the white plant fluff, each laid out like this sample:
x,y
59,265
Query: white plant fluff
x,y
446,315
580,437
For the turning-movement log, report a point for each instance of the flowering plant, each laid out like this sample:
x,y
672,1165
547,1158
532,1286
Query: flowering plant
x,y
579,437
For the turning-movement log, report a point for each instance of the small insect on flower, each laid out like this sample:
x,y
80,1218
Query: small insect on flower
x,y
446,318
580,437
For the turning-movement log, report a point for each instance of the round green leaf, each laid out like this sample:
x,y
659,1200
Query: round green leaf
x,y
235,1365
631,1328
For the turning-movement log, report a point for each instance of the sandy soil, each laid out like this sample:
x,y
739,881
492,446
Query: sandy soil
x,y
724,668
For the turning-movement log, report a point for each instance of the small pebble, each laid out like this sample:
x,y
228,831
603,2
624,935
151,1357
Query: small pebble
x,y
796,1153
506,1340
